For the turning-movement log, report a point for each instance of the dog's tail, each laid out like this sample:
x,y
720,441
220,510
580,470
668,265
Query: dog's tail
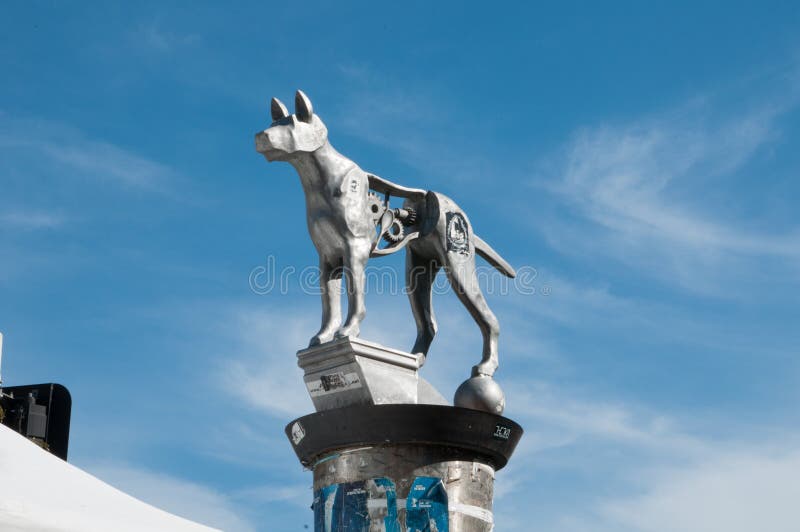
x,y
492,257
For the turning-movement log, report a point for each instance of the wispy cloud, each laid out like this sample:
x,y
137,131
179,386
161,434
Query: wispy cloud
x,y
574,418
641,193
157,37
55,175
640,471
735,492
108,162
31,219
297,494
262,360
595,311
618,177
67,151
412,121
187,499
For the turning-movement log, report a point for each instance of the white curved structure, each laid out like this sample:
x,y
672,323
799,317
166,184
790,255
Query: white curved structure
x,y
39,492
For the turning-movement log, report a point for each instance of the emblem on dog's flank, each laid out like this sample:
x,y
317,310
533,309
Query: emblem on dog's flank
x,y
457,233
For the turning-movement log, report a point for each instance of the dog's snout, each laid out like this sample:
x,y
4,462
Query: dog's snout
x,y
262,141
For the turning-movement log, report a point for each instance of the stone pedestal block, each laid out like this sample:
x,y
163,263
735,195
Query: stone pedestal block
x,y
351,371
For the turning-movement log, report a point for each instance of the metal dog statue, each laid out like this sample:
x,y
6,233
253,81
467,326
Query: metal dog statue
x,y
346,223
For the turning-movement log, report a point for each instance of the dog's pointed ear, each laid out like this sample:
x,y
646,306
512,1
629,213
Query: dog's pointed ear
x,y
302,107
278,110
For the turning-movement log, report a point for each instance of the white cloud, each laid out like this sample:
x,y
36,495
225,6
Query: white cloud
x,y
66,150
262,370
739,492
107,161
545,407
619,176
297,494
156,37
31,219
180,497
635,470
413,122
641,195
261,367
564,301
591,310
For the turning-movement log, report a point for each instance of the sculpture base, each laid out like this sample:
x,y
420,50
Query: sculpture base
x,y
403,467
351,371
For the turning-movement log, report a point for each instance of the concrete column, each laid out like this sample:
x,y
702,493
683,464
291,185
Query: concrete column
x,y
398,468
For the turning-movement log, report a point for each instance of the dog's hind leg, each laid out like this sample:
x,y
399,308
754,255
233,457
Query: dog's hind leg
x,y
461,273
420,274
330,284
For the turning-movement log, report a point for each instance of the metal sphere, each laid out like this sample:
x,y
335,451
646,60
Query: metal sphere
x,y
481,393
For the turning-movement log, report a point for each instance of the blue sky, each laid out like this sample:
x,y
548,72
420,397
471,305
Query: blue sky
x,y
641,157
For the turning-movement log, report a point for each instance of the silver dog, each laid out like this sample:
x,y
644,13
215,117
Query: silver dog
x,y
346,221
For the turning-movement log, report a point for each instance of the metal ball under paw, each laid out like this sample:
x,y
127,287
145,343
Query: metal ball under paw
x,y
481,393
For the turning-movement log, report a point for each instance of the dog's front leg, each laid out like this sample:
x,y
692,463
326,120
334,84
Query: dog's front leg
x,y
330,284
356,308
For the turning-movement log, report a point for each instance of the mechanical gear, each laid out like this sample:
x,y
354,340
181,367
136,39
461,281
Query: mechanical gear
x,y
411,218
395,232
375,206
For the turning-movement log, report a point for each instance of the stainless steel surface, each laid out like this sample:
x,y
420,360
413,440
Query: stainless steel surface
x,y
350,371
346,223
480,393
427,394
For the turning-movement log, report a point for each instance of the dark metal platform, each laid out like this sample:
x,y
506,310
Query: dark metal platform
x,y
470,433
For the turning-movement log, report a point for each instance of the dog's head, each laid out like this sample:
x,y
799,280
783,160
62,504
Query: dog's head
x,y
291,135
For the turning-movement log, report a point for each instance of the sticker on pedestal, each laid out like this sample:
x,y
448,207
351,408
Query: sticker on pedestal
x,y
333,383
298,432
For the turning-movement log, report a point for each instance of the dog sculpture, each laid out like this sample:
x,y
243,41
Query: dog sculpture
x,y
346,222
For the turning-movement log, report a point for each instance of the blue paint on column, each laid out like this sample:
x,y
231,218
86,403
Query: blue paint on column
x,y
357,506
341,508
353,512
426,506
323,508
387,488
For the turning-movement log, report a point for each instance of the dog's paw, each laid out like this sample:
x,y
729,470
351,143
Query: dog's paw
x,y
344,332
320,339
484,369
